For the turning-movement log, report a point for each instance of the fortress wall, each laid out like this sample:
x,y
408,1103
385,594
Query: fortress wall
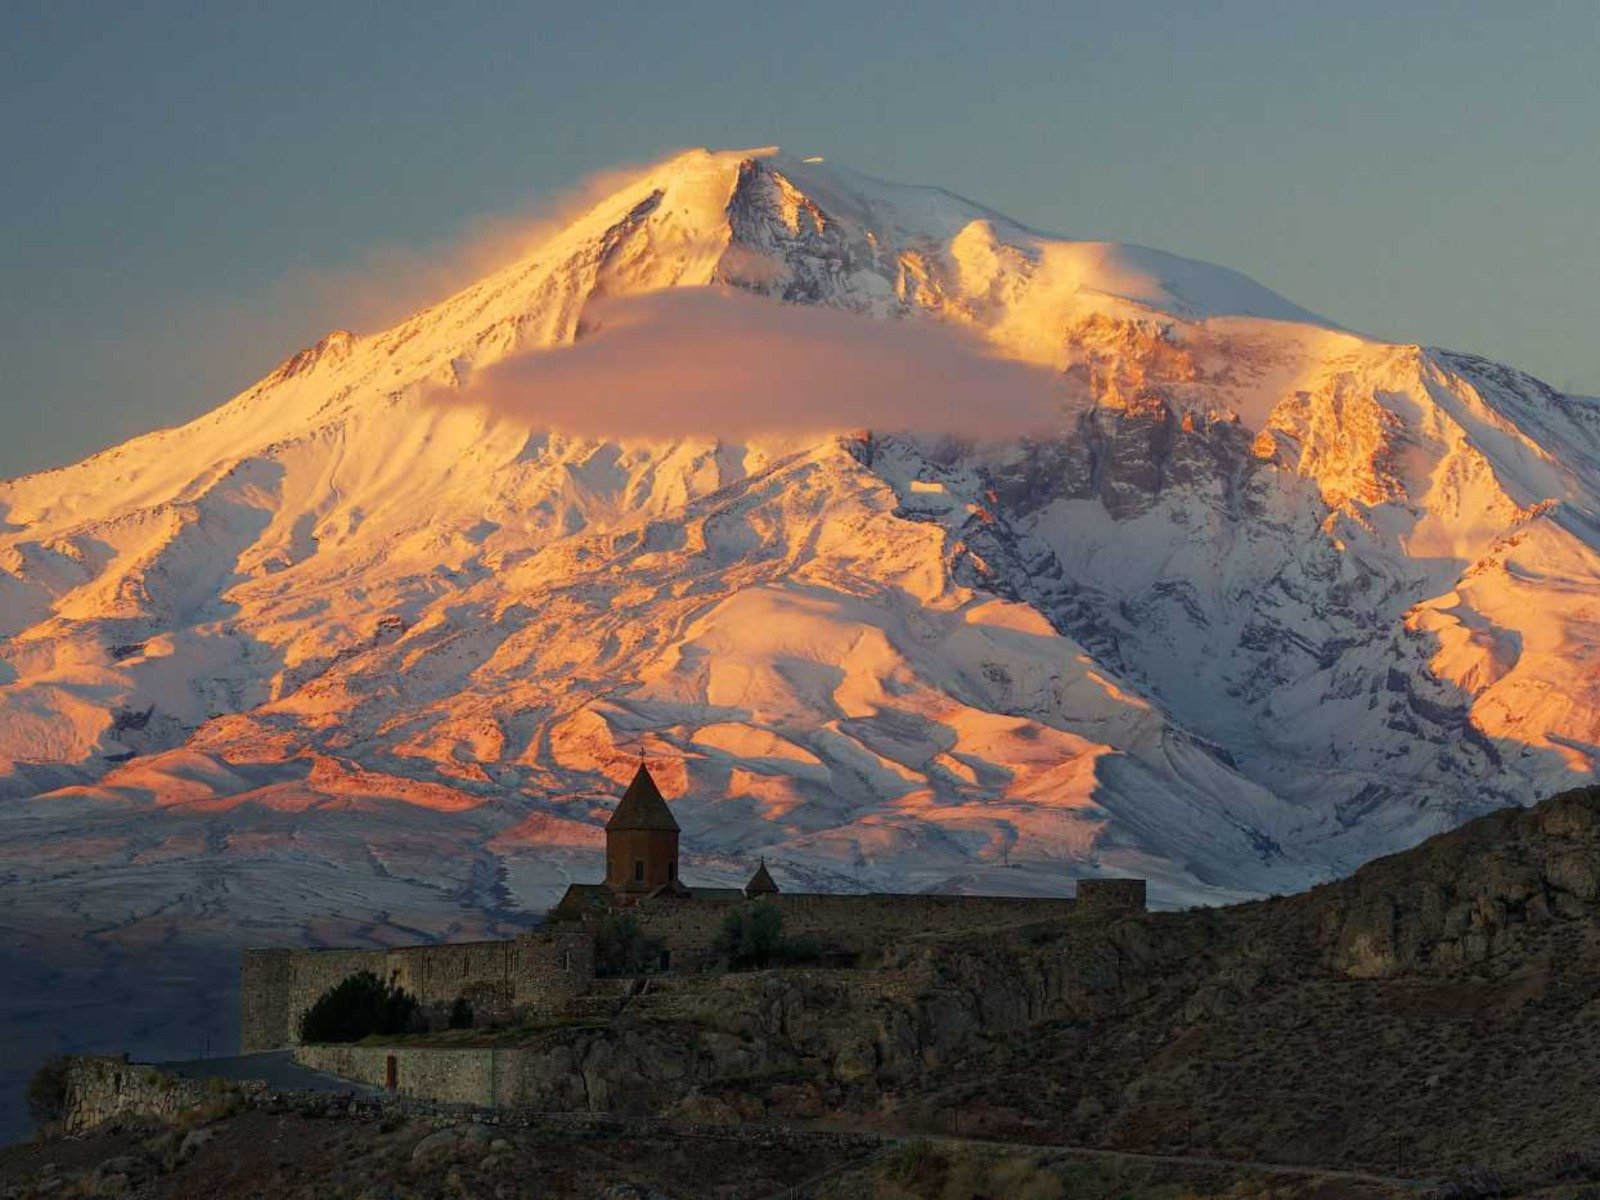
x,y
864,922
545,1077
544,969
276,986
483,972
100,1088
685,1031
553,967
462,1075
857,924
264,999
686,927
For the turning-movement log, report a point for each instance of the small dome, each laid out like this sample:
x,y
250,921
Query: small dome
x,y
761,883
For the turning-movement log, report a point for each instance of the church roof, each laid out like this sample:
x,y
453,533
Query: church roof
x,y
761,883
642,807
716,893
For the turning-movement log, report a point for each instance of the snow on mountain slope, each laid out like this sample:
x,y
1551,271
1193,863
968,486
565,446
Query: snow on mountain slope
x,y
1269,598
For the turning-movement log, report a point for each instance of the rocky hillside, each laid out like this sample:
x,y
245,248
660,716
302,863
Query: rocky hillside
x,y
1433,1013
1439,1008
321,1155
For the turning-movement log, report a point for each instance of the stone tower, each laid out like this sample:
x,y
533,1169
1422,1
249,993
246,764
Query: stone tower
x,y
641,841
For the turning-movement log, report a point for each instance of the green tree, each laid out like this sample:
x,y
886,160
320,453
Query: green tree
x,y
621,948
356,1007
751,937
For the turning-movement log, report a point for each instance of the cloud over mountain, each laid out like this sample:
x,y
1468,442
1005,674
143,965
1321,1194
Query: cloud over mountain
x,y
725,363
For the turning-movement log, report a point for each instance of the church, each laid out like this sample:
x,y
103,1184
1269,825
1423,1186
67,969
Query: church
x,y
552,969
642,859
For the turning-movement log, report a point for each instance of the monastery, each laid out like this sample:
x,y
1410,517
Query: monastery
x,y
552,970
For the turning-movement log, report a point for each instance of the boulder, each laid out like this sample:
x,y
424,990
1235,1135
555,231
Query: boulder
x,y
437,1146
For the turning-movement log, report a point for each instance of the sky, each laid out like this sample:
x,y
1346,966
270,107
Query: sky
x,y
193,192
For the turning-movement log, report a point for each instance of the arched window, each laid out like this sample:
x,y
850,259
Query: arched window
x,y
638,869
672,870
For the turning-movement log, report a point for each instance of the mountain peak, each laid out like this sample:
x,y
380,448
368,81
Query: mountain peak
x,y
1261,580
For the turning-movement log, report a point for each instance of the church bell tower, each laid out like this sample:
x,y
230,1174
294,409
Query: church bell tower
x,y
641,841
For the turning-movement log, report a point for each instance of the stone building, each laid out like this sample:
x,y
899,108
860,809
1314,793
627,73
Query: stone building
x,y
552,970
642,843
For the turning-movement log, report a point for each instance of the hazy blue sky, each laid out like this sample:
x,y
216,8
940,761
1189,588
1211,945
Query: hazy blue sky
x,y
191,192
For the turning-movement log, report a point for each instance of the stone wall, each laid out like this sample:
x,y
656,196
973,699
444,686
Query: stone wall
x,y
554,967
265,987
680,1035
113,1089
102,1088
465,1075
276,986
547,969
551,969
862,925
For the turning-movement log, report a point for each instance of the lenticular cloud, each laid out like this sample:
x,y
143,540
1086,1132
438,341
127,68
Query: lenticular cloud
x,y
730,364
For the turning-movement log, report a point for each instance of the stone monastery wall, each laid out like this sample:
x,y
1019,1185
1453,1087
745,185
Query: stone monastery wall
x,y
547,969
854,924
551,968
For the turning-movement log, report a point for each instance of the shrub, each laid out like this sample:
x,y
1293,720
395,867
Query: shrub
x,y
47,1092
356,1007
461,1013
922,1169
620,948
913,1161
753,937
1022,1180
1472,1182
207,1112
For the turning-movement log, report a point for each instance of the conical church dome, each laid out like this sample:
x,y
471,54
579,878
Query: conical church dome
x,y
761,883
642,807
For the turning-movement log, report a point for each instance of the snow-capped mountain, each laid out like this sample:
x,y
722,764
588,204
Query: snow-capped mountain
x,y
358,650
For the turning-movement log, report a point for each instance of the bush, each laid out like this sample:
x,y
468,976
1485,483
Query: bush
x,y
47,1092
461,1013
923,1170
207,1112
1472,1182
753,937
620,948
913,1161
357,1007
